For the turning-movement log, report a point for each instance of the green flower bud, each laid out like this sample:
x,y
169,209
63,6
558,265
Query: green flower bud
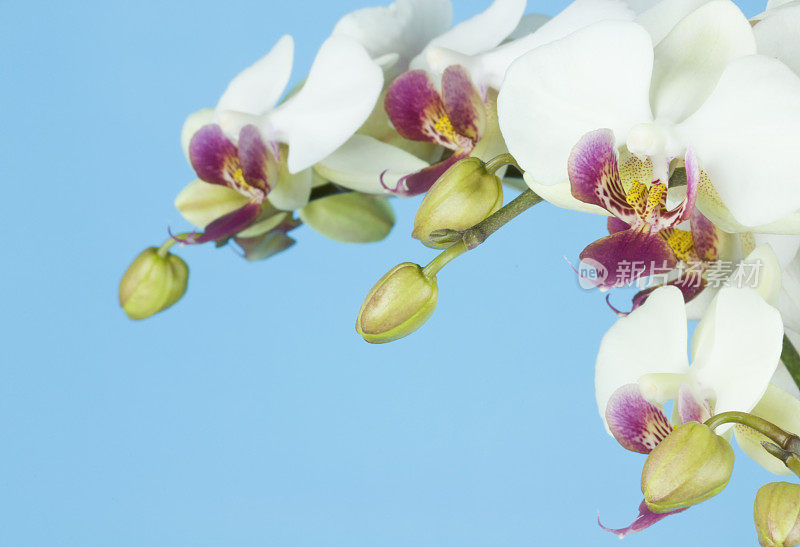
x,y
777,514
690,466
397,305
152,283
465,195
350,217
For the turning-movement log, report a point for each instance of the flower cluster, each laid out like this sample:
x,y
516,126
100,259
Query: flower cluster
x,y
678,121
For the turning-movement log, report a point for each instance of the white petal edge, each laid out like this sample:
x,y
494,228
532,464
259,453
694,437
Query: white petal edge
x,y
560,195
737,347
760,270
651,340
192,125
789,297
489,69
360,162
777,35
404,27
660,19
338,96
552,96
292,191
691,58
746,139
258,88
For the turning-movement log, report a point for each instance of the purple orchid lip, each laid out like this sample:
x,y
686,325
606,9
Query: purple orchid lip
x,y
454,118
421,181
644,520
640,243
227,225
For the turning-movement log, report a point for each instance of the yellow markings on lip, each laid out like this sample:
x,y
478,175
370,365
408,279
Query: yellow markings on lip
x,y
445,128
682,244
635,194
238,177
657,192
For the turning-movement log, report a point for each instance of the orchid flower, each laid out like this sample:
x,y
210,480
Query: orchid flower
x,y
409,28
735,352
696,89
281,141
453,117
642,230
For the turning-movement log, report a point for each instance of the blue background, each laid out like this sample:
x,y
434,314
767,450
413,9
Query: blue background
x,y
252,413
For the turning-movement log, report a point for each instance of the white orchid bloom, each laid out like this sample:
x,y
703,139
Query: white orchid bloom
x,y
696,89
341,90
408,28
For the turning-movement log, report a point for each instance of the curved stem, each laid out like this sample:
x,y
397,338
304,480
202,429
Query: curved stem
x,y
791,359
163,251
452,252
501,161
768,429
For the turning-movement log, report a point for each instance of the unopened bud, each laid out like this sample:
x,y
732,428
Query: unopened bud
x,y
690,466
397,305
152,283
350,217
465,195
777,514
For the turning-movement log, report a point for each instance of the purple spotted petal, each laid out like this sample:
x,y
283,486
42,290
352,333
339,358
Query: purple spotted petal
x,y
594,175
636,424
645,520
213,156
259,166
629,255
463,103
414,106
705,236
421,181
615,225
228,225
689,408
684,210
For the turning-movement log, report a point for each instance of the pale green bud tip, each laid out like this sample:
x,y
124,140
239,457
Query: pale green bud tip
x,y
152,283
397,305
462,197
690,466
777,514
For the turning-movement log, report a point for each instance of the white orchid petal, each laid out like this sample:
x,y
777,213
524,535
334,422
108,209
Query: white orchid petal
x,y
651,340
784,246
258,88
777,35
560,195
361,162
697,307
202,203
760,270
529,23
737,349
598,77
480,33
789,297
292,191
692,57
661,18
404,27
781,409
489,69
775,4
746,139
338,96
192,125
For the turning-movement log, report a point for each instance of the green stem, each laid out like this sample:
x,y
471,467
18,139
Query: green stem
x,y
768,429
500,161
163,251
472,237
791,359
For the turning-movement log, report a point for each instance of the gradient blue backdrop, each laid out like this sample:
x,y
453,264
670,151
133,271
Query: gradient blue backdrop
x,y
252,413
